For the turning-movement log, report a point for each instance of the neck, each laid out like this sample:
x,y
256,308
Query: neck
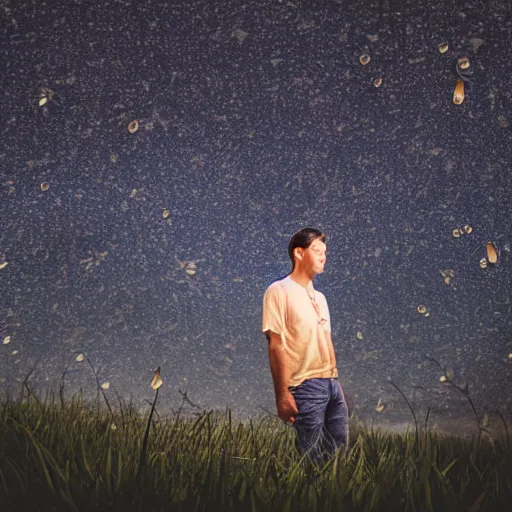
x,y
302,276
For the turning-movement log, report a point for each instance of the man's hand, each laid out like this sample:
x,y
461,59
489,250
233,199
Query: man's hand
x,y
286,406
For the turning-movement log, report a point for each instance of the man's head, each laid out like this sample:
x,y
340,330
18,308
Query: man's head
x,y
307,247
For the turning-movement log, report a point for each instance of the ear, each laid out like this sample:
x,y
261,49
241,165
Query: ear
x,y
298,255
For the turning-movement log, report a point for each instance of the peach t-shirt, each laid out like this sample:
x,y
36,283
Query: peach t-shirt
x,y
289,312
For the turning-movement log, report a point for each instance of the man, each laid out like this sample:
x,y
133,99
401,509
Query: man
x,y
296,323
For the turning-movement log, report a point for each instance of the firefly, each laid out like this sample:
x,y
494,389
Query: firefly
x,y
463,63
442,378
7,340
456,233
468,229
133,126
157,380
45,187
458,93
46,95
377,82
105,385
422,309
483,263
492,255
443,47
165,213
364,59
380,405
79,357
191,268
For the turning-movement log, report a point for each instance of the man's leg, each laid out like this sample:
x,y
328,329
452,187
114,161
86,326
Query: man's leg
x,y
336,432
311,397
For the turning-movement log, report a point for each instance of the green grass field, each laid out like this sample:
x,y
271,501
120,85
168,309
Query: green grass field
x,y
68,455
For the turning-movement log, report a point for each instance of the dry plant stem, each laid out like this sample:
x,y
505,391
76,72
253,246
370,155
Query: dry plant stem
x,y
61,386
120,406
426,417
185,398
142,456
25,383
412,411
99,388
505,426
465,391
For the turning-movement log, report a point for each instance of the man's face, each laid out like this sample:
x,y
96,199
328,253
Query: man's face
x,y
315,256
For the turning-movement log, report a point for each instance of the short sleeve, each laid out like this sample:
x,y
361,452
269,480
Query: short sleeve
x,y
274,310
324,310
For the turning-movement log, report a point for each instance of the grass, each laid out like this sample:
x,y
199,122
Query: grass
x,y
68,455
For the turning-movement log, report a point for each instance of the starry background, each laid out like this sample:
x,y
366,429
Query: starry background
x,y
255,119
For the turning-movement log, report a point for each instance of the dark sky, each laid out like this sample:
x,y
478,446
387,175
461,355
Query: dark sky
x,y
255,119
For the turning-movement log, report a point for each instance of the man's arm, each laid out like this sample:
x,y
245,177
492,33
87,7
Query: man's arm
x,y
276,355
286,406
332,355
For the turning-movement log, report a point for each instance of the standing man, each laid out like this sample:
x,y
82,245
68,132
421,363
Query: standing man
x,y
296,323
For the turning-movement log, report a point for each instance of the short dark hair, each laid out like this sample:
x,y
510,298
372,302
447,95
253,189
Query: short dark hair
x,y
304,238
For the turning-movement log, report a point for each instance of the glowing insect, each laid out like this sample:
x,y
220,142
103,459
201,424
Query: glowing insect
x,y
463,69
3,265
458,93
483,263
447,274
377,82
133,126
456,233
380,405
45,96
157,380
442,378
165,213
422,309
45,186
191,268
95,258
359,335
463,63
443,47
364,59
105,385
80,357
492,254
7,340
